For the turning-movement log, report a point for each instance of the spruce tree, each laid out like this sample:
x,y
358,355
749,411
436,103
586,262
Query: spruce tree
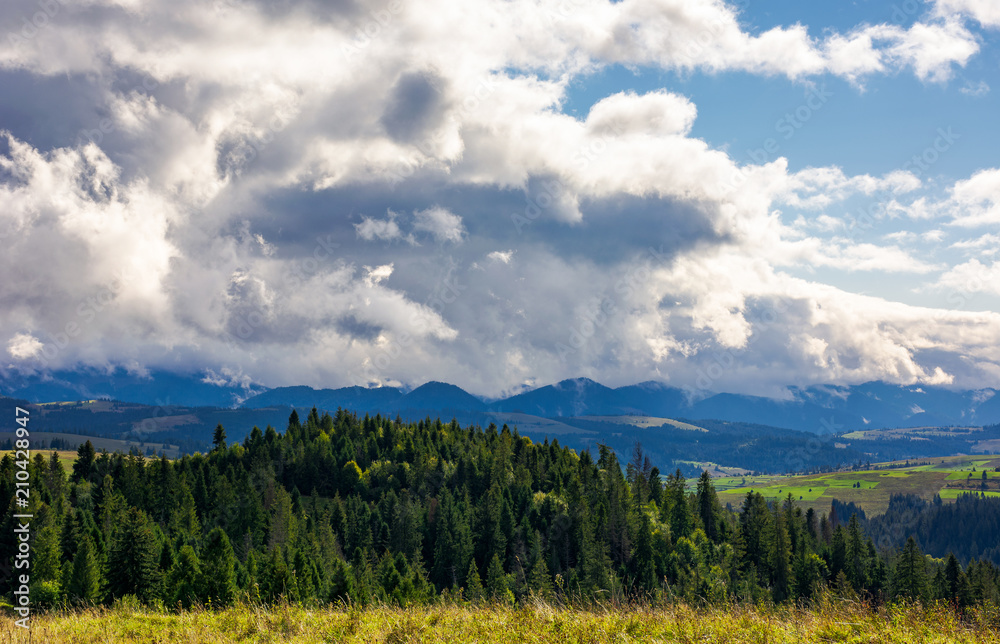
x,y
642,567
84,464
278,579
497,582
540,581
957,583
473,584
218,569
183,580
219,437
910,578
681,521
594,564
780,554
46,555
755,525
838,551
708,506
133,560
85,582
856,559
341,582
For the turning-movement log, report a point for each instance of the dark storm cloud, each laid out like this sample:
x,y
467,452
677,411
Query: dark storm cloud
x,y
351,326
50,111
416,105
614,228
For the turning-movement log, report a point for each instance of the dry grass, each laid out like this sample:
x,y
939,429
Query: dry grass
x,y
832,621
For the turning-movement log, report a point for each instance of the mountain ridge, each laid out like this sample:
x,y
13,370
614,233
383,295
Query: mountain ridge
x,y
817,409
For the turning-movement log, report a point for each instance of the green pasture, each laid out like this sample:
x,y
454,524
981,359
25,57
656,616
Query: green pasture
x,y
871,489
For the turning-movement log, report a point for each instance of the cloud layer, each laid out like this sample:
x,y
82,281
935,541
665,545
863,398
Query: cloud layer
x,y
337,193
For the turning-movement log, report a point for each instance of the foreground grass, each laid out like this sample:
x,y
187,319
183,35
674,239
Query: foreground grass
x,y
830,622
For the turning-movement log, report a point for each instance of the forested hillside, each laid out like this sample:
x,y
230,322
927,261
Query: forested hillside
x,y
969,528
369,509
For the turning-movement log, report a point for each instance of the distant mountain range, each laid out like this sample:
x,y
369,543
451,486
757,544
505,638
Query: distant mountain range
x,y
817,409
821,409
156,388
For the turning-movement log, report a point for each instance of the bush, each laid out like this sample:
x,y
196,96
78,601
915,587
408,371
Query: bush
x,y
46,593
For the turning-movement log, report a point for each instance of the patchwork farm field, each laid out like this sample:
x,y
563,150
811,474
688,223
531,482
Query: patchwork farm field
x,y
871,489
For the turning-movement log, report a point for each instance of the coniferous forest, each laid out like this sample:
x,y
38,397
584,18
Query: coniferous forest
x,y
361,510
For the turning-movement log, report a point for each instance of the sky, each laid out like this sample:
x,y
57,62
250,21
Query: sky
x,y
724,196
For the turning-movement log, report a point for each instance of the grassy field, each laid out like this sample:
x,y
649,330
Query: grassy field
x,y
832,621
99,443
66,457
871,489
645,422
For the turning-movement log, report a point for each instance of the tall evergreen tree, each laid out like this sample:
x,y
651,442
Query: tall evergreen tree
x,y
497,581
473,584
856,556
755,527
183,581
85,582
708,506
642,566
219,437
133,560
218,569
341,582
780,565
83,467
910,577
681,522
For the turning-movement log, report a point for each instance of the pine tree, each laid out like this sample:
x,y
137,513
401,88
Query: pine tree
x,y
71,535
497,582
304,576
708,506
493,542
910,578
55,476
133,560
755,525
643,569
341,582
390,580
46,555
540,581
278,579
218,569
219,438
808,572
780,554
681,521
856,560
166,557
85,583
184,519
838,551
444,573
939,585
84,464
957,583
474,590
183,579
594,563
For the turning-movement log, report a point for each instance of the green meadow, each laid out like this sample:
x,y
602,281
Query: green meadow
x,y
871,489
